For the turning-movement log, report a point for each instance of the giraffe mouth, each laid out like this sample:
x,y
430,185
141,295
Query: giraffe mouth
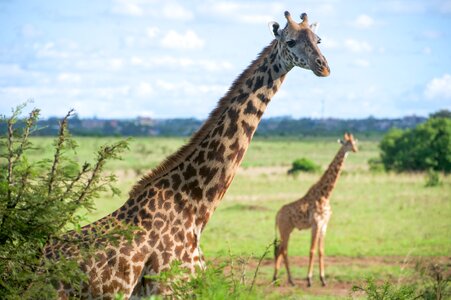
x,y
321,71
325,72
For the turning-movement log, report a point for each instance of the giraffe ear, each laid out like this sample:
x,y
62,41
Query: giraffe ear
x,y
274,27
314,27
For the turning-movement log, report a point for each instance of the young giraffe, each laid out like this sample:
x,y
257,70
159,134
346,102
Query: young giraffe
x,y
311,211
172,204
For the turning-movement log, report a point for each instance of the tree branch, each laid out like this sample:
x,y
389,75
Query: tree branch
x,y
59,146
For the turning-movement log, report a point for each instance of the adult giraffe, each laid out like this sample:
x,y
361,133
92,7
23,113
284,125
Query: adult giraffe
x,y
172,204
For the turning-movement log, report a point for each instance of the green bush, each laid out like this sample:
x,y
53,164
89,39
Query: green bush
x,y
376,165
432,178
303,165
38,203
428,146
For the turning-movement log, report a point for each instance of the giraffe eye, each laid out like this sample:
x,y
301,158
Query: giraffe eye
x,y
291,43
318,41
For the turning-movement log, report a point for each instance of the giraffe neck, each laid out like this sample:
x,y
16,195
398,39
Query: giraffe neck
x,y
326,184
195,178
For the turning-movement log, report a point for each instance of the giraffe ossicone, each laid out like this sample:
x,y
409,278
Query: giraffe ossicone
x,y
172,204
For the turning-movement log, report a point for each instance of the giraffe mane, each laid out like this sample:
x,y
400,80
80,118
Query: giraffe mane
x,y
183,152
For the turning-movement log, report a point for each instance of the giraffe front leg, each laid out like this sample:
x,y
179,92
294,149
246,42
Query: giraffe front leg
x,y
198,255
313,244
322,275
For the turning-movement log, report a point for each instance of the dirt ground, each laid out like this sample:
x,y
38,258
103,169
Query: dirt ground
x,y
334,287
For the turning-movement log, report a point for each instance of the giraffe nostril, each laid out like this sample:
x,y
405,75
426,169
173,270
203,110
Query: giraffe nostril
x,y
319,62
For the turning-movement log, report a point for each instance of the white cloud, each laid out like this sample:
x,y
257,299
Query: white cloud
x,y
177,12
115,63
362,63
254,18
363,21
427,50
49,50
143,90
328,43
250,13
439,88
152,32
211,65
225,8
357,46
169,61
30,31
9,69
326,8
125,7
69,77
152,8
191,89
431,34
136,61
59,49
405,7
187,40
416,6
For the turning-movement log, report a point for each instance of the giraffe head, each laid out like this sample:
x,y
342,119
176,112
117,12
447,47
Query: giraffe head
x,y
299,45
349,143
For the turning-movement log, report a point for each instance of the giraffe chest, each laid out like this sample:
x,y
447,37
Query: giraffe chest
x,y
305,214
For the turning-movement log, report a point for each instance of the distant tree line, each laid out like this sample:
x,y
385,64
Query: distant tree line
x,y
278,126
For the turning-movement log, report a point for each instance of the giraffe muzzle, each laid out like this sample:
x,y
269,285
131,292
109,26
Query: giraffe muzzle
x,y
320,67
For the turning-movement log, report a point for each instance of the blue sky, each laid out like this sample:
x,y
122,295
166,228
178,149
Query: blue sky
x,y
165,59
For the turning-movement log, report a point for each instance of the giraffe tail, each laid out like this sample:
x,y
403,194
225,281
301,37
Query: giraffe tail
x,y
276,242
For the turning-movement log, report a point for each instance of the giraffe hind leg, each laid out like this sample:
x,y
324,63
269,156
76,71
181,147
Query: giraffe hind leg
x,y
285,232
287,264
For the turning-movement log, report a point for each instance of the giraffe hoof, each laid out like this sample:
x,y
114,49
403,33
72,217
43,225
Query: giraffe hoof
x,y
323,281
309,282
291,282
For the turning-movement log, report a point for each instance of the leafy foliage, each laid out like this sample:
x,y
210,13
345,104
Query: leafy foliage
x,y
226,280
436,280
433,284
38,203
303,165
386,291
213,282
426,147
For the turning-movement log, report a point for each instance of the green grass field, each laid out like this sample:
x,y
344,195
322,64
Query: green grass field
x,y
381,222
